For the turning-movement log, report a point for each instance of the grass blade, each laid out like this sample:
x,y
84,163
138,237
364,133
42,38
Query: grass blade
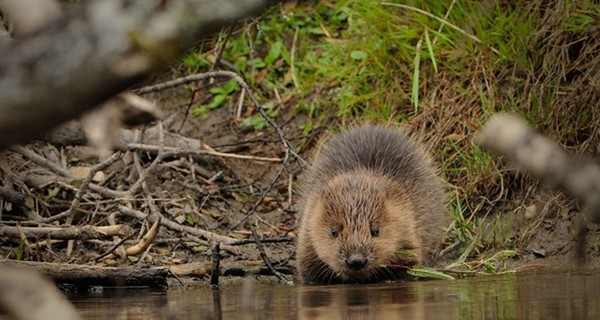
x,y
430,49
429,273
415,82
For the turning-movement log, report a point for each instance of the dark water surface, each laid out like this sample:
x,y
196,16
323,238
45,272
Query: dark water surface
x,y
556,295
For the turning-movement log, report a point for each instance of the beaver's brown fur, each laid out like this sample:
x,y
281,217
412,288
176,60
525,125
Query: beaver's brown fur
x,y
371,203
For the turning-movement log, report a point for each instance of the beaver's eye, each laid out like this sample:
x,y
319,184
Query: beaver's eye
x,y
334,232
375,231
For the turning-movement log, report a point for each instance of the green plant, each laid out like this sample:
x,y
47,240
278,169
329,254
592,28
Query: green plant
x,y
257,121
220,95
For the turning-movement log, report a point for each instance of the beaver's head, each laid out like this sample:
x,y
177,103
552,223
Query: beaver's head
x,y
361,223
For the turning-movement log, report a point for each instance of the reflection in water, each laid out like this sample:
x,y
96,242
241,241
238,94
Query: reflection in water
x,y
571,295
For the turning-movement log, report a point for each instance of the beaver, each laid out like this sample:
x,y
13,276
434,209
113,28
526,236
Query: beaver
x,y
371,206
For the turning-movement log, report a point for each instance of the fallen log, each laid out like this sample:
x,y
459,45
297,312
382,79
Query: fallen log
x,y
88,276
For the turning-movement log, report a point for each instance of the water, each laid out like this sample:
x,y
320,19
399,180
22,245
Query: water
x,y
564,295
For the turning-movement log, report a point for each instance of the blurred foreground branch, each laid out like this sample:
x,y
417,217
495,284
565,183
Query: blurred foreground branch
x,y
26,295
100,48
510,136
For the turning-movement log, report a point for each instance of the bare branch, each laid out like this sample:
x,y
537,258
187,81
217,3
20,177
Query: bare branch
x,y
145,241
78,233
207,235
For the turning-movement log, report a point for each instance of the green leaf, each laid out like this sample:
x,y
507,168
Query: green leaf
x,y
230,86
274,53
256,121
53,193
216,90
257,63
190,219
430,49
316,31
217,102
429,273
21,250
358,55
415,82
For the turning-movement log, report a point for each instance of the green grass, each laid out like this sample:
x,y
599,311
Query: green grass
x,y
441,67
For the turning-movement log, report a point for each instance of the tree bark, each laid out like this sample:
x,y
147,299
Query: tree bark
x,y
97,50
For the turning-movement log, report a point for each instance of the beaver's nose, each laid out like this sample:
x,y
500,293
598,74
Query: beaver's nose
x,y
356,261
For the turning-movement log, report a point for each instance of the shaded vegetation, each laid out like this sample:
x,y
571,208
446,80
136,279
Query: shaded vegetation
x,y
440,69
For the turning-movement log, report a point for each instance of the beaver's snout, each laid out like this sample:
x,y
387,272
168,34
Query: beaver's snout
x,y
356,262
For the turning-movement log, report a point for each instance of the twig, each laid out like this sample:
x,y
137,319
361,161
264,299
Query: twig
x,y
178,278
222,47
39,160
289,149
177,152
238,113
78,233
292,59
186,113
290,183
229,74
450,248
12,196
439,31
22,234
218,57
282,278
144,254
443,21
264,193
82,189
111,250
145,241
206,235
159,157
262,240
216,263
263,271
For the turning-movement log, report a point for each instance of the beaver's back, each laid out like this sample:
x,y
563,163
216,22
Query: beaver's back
x,y
381,149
